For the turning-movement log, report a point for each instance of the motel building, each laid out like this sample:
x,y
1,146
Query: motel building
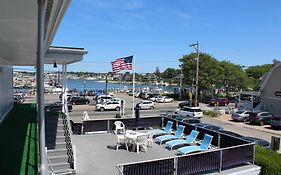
x,y
37,142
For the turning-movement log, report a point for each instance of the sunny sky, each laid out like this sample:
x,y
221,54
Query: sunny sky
x,y
158,32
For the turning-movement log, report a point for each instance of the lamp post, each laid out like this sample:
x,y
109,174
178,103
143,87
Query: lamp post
x,y
196,47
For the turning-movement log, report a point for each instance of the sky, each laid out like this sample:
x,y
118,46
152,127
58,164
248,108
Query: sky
x,y
159,32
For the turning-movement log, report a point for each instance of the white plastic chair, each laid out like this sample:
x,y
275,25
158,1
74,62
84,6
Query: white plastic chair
x,y
141,141
119,127
150,140
85,116
121,139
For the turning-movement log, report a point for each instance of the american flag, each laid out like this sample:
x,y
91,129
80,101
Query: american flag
x,y
124,63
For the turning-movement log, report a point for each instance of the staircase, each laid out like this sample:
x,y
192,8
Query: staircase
x,y
58,143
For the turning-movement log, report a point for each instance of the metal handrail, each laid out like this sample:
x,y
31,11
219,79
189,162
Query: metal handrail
x,y
48,160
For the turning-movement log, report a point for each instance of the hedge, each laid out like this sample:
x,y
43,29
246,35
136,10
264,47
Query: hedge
x,y
270,161
210,113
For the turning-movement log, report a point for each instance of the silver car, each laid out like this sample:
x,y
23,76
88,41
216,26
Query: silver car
x,y
241,115
146,104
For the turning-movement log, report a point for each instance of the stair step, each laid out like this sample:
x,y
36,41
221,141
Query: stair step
x,y
57,152
58,159
56,139
65,171
60,133
58,167
57,145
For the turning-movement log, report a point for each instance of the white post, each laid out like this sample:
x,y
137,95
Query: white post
x,y
63,89
40,84
133,112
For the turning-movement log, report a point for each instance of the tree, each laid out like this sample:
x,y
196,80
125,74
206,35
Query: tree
x,y
169,74
232,76
208,70
255,73
157,72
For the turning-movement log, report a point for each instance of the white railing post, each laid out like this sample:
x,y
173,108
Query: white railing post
x,y
175,165
75,158
48,161
220,160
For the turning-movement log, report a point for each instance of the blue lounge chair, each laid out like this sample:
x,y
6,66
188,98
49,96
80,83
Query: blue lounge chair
x,y
189,140
204,146
166,130
177,135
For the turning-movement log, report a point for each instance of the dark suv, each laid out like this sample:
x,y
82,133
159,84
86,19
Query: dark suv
x,y
57,106
260,118
78,100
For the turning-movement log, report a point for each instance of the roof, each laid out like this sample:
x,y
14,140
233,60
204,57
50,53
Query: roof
x,y
18,32
277,65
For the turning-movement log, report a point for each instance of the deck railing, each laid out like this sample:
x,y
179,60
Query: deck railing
x,y
197,163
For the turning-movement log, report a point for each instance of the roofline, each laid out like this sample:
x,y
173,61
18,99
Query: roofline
x,y
58,49
56,16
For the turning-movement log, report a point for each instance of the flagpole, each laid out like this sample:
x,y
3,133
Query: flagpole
x,y
133,87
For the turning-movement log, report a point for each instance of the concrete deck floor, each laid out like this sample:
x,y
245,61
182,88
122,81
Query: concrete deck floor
x,y
96,154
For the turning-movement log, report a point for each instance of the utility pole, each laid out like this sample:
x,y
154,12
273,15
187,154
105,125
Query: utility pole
x,y
180,90
196,47
106,81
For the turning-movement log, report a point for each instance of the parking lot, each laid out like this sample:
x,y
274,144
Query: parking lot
x,y
263,132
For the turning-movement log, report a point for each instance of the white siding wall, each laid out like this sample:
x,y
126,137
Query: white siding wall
x,y
6,90
270,101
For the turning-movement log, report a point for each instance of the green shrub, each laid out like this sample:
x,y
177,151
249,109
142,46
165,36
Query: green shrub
x,y
210,113
270,161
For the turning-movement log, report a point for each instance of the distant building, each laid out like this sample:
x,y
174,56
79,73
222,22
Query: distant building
x,y
270,91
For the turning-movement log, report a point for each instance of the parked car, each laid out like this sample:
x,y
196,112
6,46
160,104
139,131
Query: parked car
x,y
103,98
218,102
191,120
206,99
154,98
241,115
175,116
257,141
130,93
187,103
57,106
190,112
209,126
77,100
260,118
165,99
275,122
146,104
109,105
232,133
